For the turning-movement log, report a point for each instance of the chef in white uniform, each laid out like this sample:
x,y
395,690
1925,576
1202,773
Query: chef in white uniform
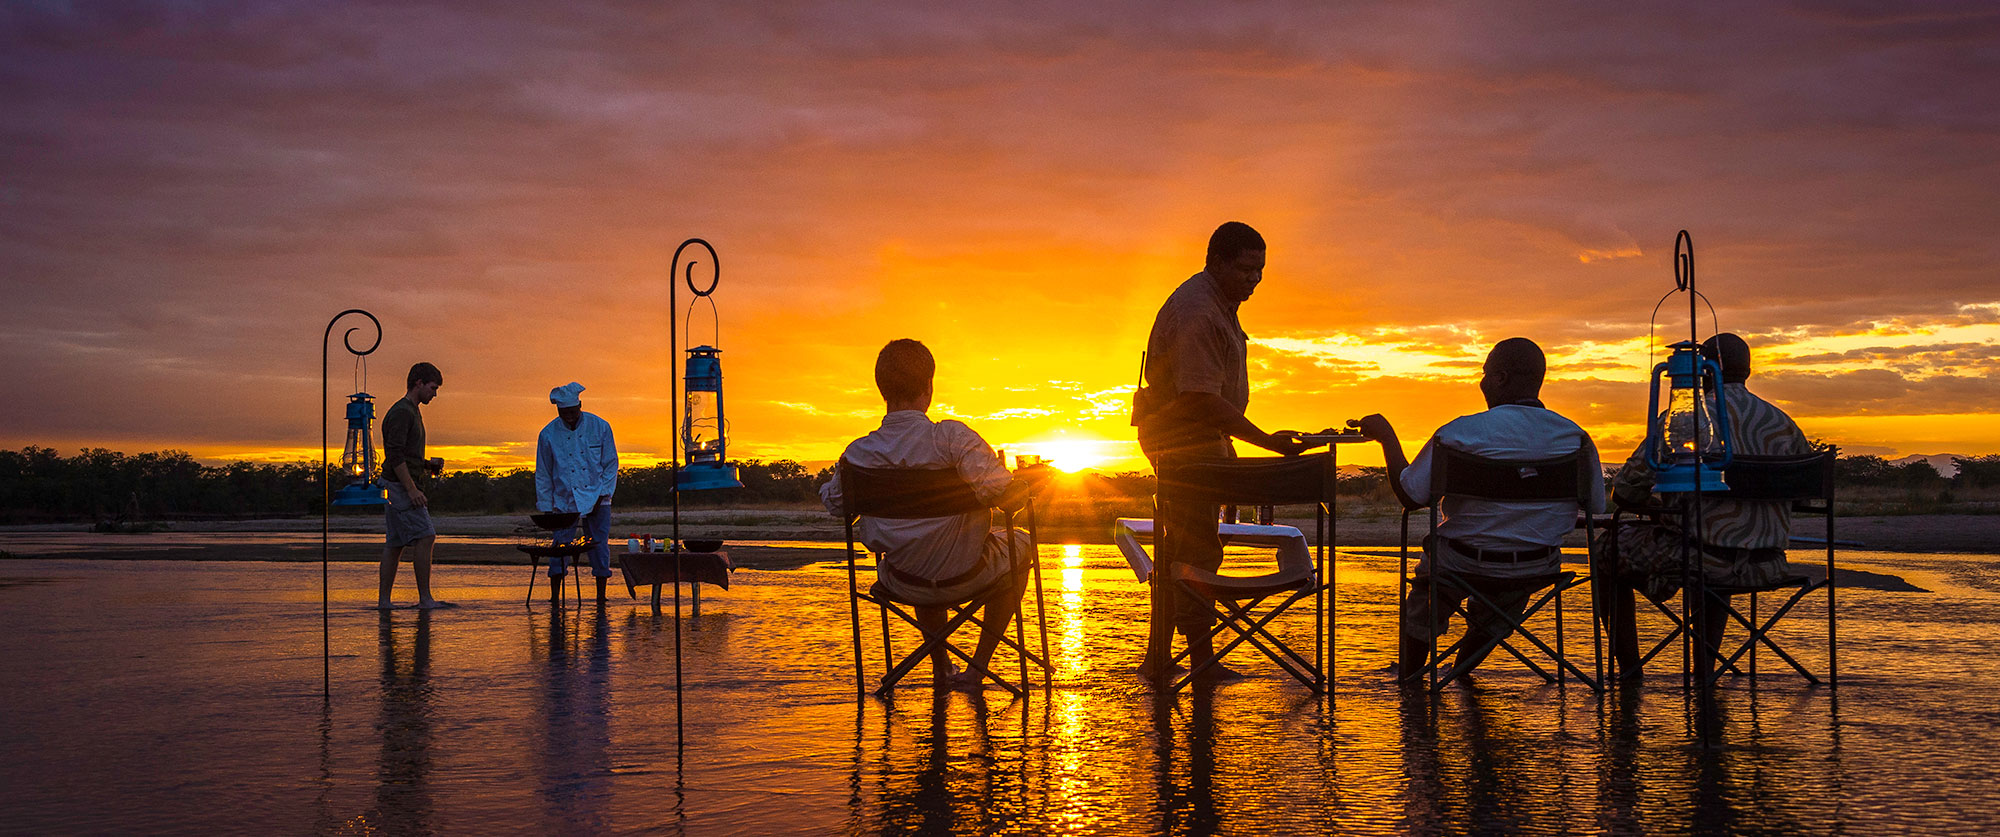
x,y
576,470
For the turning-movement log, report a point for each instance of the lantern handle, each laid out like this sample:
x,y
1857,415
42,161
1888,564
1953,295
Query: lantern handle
x,y
715,321
714,264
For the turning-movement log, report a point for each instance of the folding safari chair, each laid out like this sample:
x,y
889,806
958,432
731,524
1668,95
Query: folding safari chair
x,y
1804,481
1263,481
904,494
1459,474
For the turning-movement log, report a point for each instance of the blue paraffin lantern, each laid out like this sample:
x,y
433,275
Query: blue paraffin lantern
x,y
704,429
357,458
1692,434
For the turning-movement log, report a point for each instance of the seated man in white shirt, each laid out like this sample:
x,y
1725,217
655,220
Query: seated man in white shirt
x,y
1483,538
934,562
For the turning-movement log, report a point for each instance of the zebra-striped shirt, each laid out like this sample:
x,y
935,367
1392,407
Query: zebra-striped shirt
x,y
1757,428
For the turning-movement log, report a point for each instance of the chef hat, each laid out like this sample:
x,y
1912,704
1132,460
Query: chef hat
x,y
566,395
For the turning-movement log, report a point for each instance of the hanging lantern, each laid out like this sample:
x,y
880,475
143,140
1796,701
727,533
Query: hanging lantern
x,y
357,459
704,427
1688,444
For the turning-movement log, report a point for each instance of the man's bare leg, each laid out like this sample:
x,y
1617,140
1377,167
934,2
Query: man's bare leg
x,y
932,620
392,557
1714,619
1411,656
1000,610
1624,629
422,564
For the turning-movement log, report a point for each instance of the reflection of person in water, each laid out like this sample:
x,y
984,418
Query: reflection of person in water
x,y
402,786
575,761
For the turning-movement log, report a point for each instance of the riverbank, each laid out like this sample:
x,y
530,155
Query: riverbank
x,y
1368,528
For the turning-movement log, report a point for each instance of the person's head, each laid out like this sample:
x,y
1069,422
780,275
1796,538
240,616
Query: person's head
x,y
1236,259
903,373
423,382
1513,372
1731,353
568,399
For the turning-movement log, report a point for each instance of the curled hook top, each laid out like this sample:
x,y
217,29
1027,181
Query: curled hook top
x,y
347,337
1684,261
714,264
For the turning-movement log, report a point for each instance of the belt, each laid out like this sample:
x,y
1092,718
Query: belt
x,y
1494,556
920,581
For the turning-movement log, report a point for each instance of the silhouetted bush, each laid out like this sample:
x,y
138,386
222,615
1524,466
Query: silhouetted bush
x,y
37,485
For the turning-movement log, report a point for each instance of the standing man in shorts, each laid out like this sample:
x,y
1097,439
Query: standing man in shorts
x,y
407,517
1197,387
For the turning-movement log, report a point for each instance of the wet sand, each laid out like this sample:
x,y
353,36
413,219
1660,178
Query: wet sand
x,y
1365,528
495,718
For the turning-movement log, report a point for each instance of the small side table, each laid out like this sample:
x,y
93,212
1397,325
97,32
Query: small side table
x,y
661,568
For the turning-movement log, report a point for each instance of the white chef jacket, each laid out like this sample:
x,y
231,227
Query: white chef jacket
x,y
575,467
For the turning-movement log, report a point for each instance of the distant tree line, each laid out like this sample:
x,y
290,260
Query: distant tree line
x,y
38,485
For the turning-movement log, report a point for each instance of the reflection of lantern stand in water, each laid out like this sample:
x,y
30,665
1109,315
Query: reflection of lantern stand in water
x,y
1688,446
357,465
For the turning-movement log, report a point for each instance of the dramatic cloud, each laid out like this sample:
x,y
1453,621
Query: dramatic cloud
x,y
191,189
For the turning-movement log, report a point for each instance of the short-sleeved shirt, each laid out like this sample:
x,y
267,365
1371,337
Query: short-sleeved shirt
x,y
403,440
1197,345
1757,428
1509,431
934,548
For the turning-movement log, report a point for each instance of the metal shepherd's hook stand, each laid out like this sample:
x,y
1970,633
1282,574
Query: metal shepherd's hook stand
x,y
673,426
326,488
1694,581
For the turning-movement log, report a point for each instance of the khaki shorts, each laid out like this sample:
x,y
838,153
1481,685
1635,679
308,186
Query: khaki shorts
x,y
405,522
1417,608
993,565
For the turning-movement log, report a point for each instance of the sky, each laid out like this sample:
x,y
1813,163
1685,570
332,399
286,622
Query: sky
x,y
190,190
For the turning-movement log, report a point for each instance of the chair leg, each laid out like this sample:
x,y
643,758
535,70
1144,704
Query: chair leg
x,y
1753,648
888,655
1517,627
1239,615
534,569
1762,635
1559,635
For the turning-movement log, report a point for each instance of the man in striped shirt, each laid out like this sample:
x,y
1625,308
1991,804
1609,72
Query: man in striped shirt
x,y
1742,543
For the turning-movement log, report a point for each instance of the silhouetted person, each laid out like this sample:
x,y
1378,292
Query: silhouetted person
x,y
407,516
576,470
1487,539
1197,386
1741,543
934,562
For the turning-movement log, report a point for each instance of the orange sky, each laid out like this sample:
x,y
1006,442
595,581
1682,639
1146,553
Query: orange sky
x,y
189,195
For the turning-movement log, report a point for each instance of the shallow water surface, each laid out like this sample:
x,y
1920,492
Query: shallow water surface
x,y
184,696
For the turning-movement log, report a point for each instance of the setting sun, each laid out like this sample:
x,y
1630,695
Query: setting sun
x,y
1068,455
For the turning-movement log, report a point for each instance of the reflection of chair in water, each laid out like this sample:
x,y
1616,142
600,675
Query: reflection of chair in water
x,y
1805,483
1460,474
1264,481
908,494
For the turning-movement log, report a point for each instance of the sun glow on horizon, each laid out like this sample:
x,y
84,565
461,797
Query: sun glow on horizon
x,y
1069,456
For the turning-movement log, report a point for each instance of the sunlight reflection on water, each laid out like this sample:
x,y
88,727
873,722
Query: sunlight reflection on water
x,y
186,696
